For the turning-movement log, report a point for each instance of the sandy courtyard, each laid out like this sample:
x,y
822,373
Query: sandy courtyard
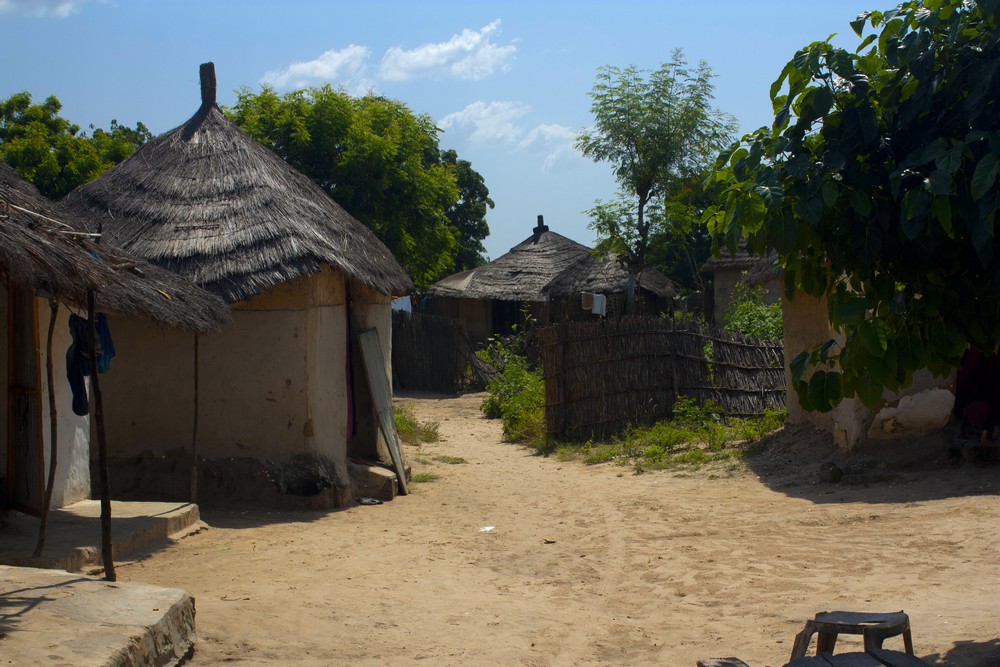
x,y
515,559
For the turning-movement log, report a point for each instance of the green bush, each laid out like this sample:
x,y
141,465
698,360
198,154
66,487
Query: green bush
x,y
518,398
748,315
696,435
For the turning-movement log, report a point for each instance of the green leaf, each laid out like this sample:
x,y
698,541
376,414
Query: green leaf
x,y
819,396
915,206
872,334
869,391
941,211
861,203
798,366
982,238
985,176
858,24
830,192
850,312
939,183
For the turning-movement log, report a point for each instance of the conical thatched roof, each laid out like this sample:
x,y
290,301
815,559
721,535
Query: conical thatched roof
x,y
520,275
45,250
607,276
210,203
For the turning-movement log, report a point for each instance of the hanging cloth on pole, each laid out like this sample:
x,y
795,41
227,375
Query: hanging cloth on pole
x,y
78,362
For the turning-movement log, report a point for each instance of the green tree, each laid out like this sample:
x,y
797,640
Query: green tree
x,y
378,160
878,187
52,153
468,214
656,128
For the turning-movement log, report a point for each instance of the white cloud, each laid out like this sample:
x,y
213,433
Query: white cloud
x,y
40,8
488,123
470,55
345,67
555,141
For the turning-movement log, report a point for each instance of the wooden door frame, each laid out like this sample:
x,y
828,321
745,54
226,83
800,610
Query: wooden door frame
x,y
14,332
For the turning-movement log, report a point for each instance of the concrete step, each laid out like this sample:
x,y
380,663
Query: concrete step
x,y
58,617
73,536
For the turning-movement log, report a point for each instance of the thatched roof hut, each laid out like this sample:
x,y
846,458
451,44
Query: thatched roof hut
x,y
281,398
520,275
607,276
728,269
210,203
44,248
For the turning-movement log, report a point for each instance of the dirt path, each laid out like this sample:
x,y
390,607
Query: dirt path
x,y
514,559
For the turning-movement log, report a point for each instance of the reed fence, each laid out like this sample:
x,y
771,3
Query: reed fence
x,y
432,353
603,376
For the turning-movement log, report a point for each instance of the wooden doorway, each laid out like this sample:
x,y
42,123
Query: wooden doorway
x,y
25,457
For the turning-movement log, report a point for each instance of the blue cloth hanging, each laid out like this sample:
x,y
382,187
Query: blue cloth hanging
x,y
78,363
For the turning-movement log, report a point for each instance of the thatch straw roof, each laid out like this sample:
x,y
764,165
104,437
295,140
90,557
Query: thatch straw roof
x,y
607,276
520,275
740,261
44,249
210,203
759,269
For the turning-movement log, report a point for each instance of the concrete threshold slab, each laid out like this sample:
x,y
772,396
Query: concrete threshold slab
x,y
54,617
73,535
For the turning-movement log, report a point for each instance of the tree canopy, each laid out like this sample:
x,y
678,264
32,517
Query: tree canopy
x,y
52,153
657,129
383,164
878,187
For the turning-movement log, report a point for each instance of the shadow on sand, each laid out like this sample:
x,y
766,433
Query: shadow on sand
x,y
803,462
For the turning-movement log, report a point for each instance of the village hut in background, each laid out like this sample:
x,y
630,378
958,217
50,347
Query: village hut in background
x,y
46,257
494,298
572,292
724,272
282,400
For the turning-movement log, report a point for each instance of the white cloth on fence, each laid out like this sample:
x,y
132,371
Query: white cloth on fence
x,y
600,305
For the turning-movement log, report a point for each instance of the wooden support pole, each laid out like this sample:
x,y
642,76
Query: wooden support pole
x,y
194,429
97,410
53,431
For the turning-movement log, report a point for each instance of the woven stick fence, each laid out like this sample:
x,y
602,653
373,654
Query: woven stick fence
x,y
432,353
603,376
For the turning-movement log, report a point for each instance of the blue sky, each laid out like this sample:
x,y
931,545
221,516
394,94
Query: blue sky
x,y
507,82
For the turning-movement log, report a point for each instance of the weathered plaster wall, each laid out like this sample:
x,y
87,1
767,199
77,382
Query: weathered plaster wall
x,y
261,393
72,480
923,407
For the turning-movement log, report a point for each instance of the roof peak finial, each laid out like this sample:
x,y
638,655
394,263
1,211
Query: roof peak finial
x,y
541,226
207,72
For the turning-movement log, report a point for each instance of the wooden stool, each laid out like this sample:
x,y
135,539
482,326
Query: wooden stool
x,y
875,628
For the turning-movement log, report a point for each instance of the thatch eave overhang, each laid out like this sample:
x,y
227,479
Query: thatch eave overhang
x,y
45,249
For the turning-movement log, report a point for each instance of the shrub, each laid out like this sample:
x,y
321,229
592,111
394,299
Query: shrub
x,y
517,397
411,431
747,313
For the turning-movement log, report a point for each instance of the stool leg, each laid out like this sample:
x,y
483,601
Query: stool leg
x,y
908,641
825,642
801,644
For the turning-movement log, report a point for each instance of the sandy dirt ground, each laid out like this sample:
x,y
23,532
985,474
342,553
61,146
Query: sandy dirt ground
x,y
510,558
